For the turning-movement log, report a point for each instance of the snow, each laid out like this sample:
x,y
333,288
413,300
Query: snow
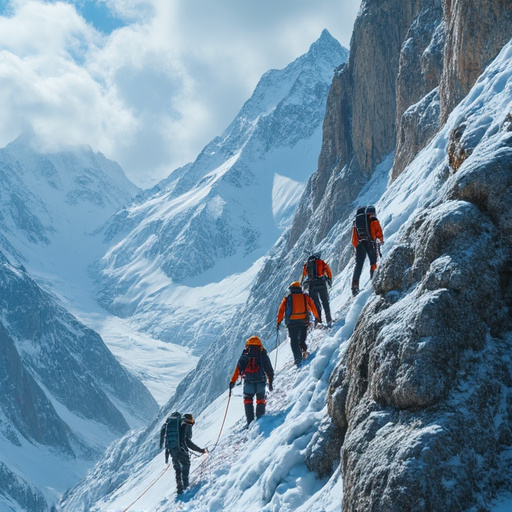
x,y
260,468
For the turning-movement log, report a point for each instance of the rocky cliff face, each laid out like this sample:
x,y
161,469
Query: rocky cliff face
x,y
475,33
422,397
360,123
420,68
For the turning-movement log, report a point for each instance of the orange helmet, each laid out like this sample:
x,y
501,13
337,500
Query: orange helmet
x,y
295,284
253,340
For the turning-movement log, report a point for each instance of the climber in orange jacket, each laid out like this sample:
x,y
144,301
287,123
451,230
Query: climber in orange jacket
x,y
318,277
366,231
255,368
295,309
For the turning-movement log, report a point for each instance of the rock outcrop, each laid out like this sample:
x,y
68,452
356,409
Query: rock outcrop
x,y
360,123
475,33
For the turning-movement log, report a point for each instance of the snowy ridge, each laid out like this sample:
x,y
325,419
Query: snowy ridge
x,y
223,212
52,205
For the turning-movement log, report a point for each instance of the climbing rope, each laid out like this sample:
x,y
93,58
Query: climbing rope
x,y
277,345
223,421
149,487
203,463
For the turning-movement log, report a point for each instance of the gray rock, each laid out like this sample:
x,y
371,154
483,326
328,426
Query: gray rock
x,y
475,33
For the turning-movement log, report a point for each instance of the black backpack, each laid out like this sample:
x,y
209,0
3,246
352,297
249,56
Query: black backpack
x,y
311,268
250,363
362,222
173,431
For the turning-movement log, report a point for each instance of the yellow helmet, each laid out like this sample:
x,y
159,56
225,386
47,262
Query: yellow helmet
x,y
253,340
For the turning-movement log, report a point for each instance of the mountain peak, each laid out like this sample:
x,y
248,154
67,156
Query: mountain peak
x,y
326,44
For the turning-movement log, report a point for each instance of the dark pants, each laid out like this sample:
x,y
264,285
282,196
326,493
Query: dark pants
x,y
298,334
181,465
318,292
251,389
364,247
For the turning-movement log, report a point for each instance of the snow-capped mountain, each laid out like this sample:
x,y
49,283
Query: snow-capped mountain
x,y
217,216
52,204
64,397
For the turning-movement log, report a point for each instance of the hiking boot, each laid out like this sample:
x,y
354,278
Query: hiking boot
x,y
355,290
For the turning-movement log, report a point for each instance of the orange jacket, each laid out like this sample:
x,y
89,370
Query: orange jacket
x,y
375,232
298,313
322,269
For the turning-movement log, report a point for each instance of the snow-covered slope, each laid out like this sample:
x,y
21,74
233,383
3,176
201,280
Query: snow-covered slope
x,y
217,216
257,469
64,397
268,471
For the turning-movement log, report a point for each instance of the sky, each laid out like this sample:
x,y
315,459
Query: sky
x,y
146,82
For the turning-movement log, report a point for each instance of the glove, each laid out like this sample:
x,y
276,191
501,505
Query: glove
x,y
205,450
231,385
270,388
329,282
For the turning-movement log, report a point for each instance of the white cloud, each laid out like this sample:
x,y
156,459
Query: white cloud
x,y
151,94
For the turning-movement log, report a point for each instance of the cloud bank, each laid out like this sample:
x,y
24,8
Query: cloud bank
x,y
146,82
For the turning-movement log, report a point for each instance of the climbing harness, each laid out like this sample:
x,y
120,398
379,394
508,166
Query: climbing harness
x,y
149,487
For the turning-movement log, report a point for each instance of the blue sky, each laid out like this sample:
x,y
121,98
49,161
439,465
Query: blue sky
x,y
99,15
147,82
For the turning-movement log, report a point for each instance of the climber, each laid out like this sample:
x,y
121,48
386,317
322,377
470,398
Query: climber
x,y
318,276
366,233
255,368
295,308
176,435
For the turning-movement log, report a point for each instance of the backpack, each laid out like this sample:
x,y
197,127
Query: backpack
x,y
251,363
173,431
312,270
362,222
303,316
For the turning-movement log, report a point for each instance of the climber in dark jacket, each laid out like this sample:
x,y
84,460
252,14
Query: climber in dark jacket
x,y
255,368
176,434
